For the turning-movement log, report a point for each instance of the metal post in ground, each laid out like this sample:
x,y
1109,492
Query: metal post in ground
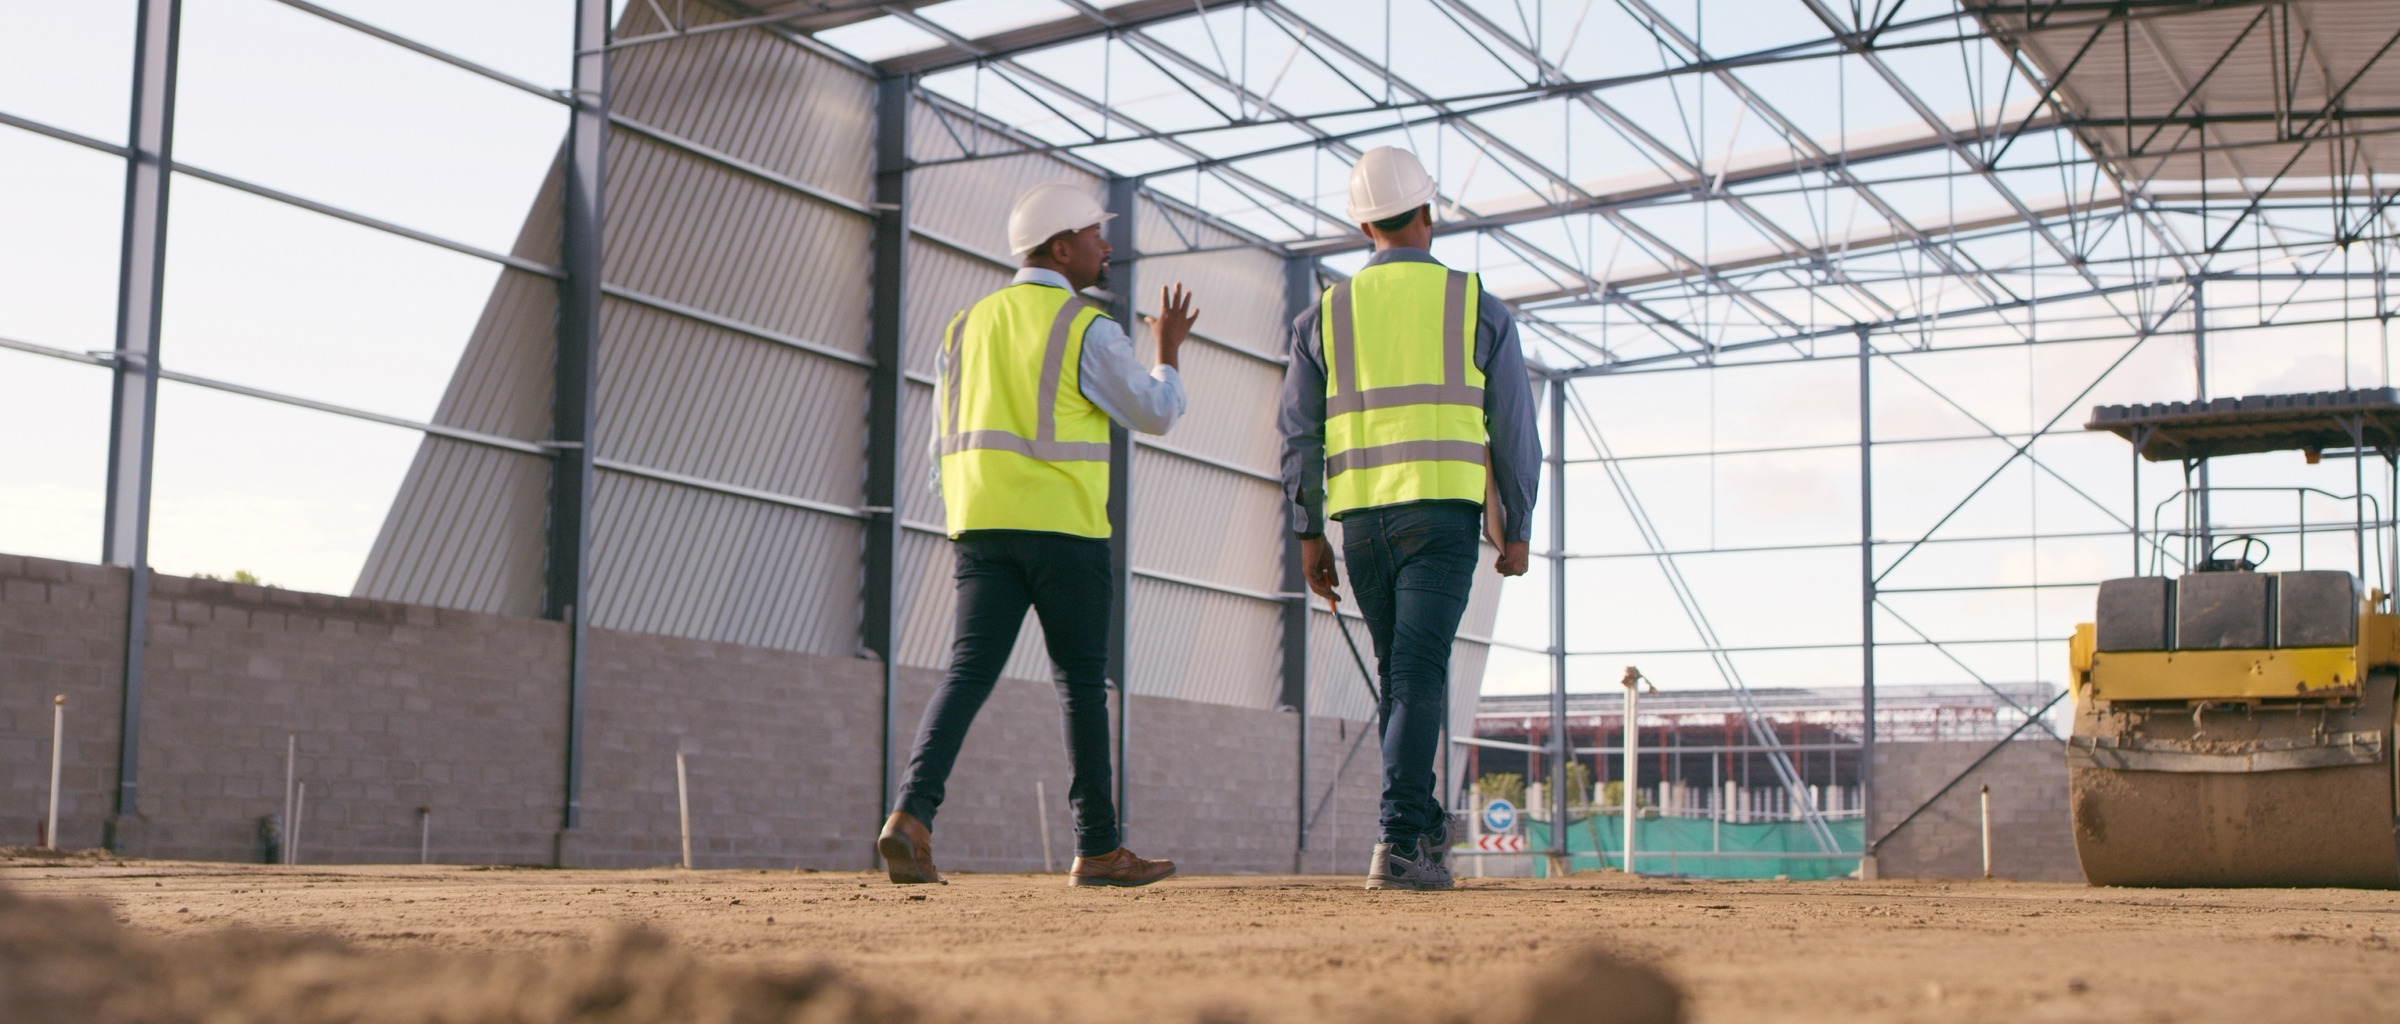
x,y
1633,749
1985,798
291,849
683,808
1041,808
424,835
58,735
291,757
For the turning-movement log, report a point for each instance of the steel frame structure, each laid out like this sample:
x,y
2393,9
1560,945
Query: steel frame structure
x,y
2139,227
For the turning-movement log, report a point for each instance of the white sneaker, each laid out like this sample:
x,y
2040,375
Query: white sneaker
x,y
1394,868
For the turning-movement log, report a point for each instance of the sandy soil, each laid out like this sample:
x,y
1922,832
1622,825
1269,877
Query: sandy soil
x,y
1023,948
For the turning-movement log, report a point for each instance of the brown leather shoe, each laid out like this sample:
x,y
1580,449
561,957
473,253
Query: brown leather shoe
x,y
1118,867
907,848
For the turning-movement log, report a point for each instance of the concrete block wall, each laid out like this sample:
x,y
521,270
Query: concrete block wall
x,y
62,631
397,707
1345,791
2032,838
392,707
779,748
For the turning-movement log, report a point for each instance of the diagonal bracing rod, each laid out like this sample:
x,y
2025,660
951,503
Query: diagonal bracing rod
x,y
1752,716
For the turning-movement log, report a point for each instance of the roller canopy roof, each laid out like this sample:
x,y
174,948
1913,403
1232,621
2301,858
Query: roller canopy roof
x,y
2314,420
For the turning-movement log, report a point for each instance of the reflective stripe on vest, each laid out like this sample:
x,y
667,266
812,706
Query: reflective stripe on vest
x,y
1403,409
1020,447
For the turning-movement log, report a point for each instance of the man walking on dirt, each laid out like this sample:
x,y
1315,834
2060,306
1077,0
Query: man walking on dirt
x,y
1406,409
1029,380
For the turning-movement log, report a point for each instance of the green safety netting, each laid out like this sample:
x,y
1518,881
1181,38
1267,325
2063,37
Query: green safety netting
x,y
1690,847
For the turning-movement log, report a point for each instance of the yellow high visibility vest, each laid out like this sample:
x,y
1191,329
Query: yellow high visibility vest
x,y
1021,448
1403,397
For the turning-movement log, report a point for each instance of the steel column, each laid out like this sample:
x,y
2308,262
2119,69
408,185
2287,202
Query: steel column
x,y
133,412
573,390
2357,425
887,339
1866,584
1562,747
2200,389
1299,290
2140,439
1122,196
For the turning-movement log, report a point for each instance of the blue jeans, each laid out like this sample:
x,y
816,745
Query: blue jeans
x,y
1411,567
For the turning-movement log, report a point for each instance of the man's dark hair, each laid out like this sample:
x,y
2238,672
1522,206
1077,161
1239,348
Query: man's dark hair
x,y
1397,221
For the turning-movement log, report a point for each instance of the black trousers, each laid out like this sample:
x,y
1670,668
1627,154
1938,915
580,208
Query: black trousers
x,y
1065,580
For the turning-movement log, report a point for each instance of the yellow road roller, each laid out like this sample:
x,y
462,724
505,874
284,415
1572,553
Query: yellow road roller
x,y
2233,726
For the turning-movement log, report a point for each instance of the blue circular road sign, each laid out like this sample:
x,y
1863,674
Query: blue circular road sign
x,y
1499,816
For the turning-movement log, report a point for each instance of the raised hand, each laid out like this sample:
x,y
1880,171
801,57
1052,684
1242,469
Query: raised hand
x,y
1174,322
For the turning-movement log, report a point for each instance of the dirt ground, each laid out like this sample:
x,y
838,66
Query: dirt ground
x,y
1268,949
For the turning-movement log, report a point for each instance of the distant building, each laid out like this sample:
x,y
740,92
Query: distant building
x,y
1694,744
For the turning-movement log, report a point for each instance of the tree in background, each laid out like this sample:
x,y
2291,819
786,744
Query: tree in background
x,y
1613,795
1508,786
243,576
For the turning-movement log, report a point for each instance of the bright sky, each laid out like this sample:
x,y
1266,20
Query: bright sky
x,y
264,294
258,292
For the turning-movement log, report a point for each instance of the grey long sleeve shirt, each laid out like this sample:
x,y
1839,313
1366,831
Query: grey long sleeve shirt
x,y
1508,414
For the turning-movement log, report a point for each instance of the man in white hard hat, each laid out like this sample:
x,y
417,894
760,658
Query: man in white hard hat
x,y
1030,378
1406,416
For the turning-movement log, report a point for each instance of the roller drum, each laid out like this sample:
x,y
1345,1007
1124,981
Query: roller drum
x,y
2275,825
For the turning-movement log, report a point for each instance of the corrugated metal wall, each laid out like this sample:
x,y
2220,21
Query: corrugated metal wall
x,y
465,528
752,408
758,384
1222,645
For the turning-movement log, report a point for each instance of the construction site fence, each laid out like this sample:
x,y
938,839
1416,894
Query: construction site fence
x,y
1702,848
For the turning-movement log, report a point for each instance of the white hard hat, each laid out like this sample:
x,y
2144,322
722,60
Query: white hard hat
x,y
1387,182
1047,209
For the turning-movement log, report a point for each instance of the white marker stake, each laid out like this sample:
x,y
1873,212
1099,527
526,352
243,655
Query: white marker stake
x,y
1633,746
424,835
683,805
1986,798
58,734
291,821
1041,806
291,849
